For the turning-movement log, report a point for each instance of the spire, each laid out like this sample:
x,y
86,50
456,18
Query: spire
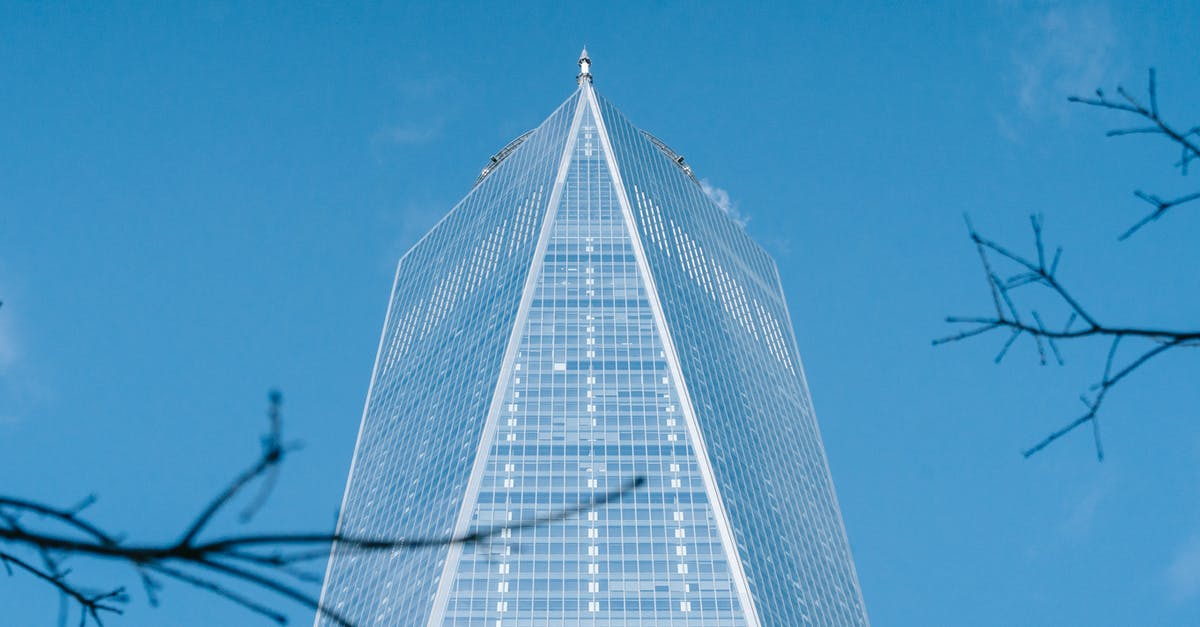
x,y
585,67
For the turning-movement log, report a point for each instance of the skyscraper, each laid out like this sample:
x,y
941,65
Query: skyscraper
x,y
585,315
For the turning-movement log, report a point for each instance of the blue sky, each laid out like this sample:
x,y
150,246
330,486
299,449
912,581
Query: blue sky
x,y
200,203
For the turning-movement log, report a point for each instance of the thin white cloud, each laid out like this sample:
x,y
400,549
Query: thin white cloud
x,y
8,342
1086,504
1082,513
723,200
421,97
411,132
424,87
1064,51
1007,129
1183,575
13,387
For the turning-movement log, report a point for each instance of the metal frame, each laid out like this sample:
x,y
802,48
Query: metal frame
x,y
502,155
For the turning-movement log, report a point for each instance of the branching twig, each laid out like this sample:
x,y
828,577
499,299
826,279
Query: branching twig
x,y
264,562
1036,270
1188,142
91,605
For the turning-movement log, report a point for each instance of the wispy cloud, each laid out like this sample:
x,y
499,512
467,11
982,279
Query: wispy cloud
x,y
13,387
1183,575
8,342
724,201
411,132
1007,128
1081,513
422,99
1063,51
424,87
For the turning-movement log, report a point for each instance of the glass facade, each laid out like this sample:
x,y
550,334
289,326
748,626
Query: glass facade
x,y
585,316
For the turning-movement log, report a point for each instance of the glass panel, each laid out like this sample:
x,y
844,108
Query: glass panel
x,y
448,322
729,322
589,402
591,406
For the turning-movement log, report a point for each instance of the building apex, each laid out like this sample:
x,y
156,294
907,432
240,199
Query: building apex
x,y
585,67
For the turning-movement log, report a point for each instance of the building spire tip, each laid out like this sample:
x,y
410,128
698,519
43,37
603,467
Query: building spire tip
x,y
585,67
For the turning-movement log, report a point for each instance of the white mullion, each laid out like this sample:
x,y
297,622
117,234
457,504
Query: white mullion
x,y
706,471
437,615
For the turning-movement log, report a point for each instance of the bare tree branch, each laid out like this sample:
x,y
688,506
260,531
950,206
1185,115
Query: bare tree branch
x,y
1185,140
261,562
1141,344
1034,271
92,605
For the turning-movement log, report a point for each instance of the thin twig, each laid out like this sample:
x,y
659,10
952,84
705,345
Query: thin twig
x,y
1189,148
1034,271
260,561
91,605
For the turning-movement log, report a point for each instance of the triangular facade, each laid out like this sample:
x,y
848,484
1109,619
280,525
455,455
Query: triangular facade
x,y
584,316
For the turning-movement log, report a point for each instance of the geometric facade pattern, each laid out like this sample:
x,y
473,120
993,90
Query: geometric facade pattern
x,y
584,316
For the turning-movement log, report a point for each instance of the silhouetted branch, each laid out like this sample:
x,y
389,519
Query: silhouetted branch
x,y
272,455
1035,271
1080,325
91,604
263,562
1185,140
